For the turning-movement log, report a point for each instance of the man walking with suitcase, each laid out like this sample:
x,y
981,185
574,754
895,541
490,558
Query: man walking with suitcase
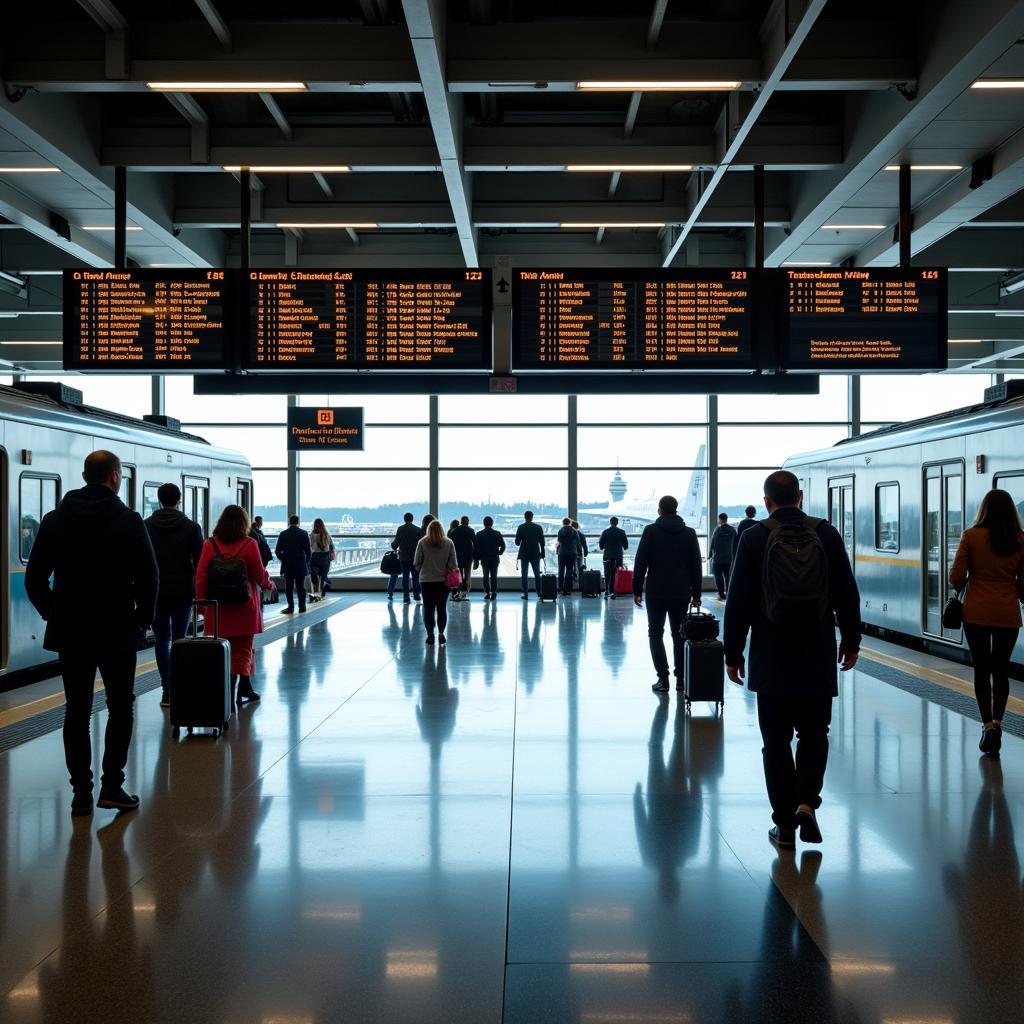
x,y
530,542
790,577
97,612
668,558
613,544
293,551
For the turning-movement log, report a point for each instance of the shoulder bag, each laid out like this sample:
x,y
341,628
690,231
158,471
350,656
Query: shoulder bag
x,y
953,612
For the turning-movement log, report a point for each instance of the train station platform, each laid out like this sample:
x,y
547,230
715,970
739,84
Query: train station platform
x,y
513,828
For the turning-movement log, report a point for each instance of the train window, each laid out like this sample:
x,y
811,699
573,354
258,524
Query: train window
x,y
887,517
150,501
196,501
127,491
1014,483
39,495
243,495
840,511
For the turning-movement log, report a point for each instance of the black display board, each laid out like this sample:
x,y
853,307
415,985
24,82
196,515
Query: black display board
x,y
864,318
597,319
364,319
148,320
325,429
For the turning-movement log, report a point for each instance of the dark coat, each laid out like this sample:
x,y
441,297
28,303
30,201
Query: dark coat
x,y
722,544
464,539
177,543
581,542
668,557
613,542
790,662
105,576
266,555
293,550
407,536
568,542
245,618
490,546
530,541
741,528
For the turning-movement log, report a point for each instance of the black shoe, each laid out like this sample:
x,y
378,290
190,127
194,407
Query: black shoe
x,y
661,686
808,822
612,596
526,597
391,597
783,838
246,694
998,743
441,639
288,611
988,739
430,639
680,684
117,800
81,804
165,699
407,601
417,598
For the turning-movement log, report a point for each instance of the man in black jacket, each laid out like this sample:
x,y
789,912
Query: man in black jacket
x,y
490,546
568,554
792,666
464,538
742,526
668,557
256,532
177,543
293,551
530,542
613,544
105,581
407,536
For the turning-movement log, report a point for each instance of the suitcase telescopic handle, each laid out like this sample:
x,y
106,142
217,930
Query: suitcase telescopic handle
x,y
195,618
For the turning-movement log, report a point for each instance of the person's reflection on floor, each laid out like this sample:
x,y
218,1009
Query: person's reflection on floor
x,y
294,674
99,972
435,715
409,645
492,654
988,895
320,651
531,661
613,637
668,826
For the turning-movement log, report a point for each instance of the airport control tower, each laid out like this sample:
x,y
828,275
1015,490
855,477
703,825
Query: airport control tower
x,y
617,488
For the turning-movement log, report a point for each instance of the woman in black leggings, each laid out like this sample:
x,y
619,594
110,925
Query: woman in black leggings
x,y
434,559
990,561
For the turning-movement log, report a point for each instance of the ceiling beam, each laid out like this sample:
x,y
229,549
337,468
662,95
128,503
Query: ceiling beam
x,y
217,24
115,29
199,124
275,111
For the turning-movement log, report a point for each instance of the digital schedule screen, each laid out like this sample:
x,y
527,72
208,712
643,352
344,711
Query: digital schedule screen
x,y
311,428
363,319
146,320
594,319
865,318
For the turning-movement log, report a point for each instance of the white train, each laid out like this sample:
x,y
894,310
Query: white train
x,y
43,442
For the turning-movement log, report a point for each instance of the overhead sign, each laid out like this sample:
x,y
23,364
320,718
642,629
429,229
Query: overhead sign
x,y
322,429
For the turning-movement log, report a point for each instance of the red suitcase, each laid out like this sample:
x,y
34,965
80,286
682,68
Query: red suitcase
x,y
623,581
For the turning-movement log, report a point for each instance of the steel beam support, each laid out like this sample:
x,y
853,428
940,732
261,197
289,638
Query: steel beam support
x,y
294,495
434,445
712,461
759,216
853,404
275,111
217,24
245,220
120,218
572,456
906,221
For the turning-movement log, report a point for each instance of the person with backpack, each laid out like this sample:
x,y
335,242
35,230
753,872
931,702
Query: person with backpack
x,y
178,543
231,572
613,544
293,551
568,548
720,555
791,582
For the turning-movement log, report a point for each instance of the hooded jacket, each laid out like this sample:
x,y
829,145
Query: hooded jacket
x,y
668,557
723,543
105,575
568,543
177,543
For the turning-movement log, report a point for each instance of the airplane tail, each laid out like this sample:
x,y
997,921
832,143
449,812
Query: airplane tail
x,y
693,508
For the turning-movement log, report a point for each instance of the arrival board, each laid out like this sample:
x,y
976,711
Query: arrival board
x,y
365,319
146,320
686,319
865,318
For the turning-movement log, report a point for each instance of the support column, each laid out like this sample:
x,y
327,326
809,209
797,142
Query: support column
x,y
158,402
853,405
712,460
906,221
434,486
120,218
293,471
245,219
572,457
759,215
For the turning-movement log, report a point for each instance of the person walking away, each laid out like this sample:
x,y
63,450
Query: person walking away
x,y
407,536
720,553
97,610
177,543
452,526
464,539
567,546
293,551
990,563
791,581
668,558
238,621
434,559
613,544
321,548
490,546
530,555
261,541
582,551
749,519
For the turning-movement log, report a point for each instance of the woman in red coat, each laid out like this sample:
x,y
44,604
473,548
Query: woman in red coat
x,y
240,622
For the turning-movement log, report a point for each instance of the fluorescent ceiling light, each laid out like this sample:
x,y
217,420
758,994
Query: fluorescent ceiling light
x,y
998,83
31,342
1008,313
328,224
29,170
296,169
175,266
806,263
107,227
42,273
629,168
9,314
853,227
927,167
6,277
660,86
1013,284
594,226
227,86
965,341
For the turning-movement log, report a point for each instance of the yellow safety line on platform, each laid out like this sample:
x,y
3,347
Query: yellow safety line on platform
x,y
883,560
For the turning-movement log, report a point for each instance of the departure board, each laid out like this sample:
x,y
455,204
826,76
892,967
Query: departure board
x,y
146,320
593,319
865,318
363,319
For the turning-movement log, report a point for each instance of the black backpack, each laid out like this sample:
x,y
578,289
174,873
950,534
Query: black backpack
x,y
227,580
794,576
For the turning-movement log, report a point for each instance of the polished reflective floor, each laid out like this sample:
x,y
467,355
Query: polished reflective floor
x,y
513,828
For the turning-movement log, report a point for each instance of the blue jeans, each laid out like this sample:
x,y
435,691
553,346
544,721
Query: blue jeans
x,y
408,569
525,565
169,623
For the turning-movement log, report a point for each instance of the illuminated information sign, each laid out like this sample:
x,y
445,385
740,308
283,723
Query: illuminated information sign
x,y
863,318
146,320
326,430
369,320
594,319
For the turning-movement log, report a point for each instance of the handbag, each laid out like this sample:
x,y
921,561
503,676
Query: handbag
x,y
953,612
699,627
390,564
453,579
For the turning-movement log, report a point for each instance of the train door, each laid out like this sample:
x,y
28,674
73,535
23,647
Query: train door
x,y
195,501
943,517
127,491
243,495
840,510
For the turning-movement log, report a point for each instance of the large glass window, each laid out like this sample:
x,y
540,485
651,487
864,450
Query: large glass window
x,y
39,495
887,517
908,397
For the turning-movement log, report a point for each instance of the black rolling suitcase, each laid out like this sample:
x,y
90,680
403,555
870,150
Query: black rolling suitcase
x,y
548,586
705,672
201,678
590,583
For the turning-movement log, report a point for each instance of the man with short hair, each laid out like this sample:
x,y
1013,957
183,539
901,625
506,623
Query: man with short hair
x,y
720,553
407,536
613,544
530,542
177,543
97,611
749,520
463,536
668,557
256,532
568,553
791,581
582,550
490,546
293,551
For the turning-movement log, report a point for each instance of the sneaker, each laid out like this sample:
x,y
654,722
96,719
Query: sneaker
x,y
998,742
721,596
783,838
81,803
808,822
288,611
661,686
526,597
988,739
612,596
165,699
117,800
680,684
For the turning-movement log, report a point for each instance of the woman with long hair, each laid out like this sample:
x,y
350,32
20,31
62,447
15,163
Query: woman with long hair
x,y
435,558
321,547
990,561
238,622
